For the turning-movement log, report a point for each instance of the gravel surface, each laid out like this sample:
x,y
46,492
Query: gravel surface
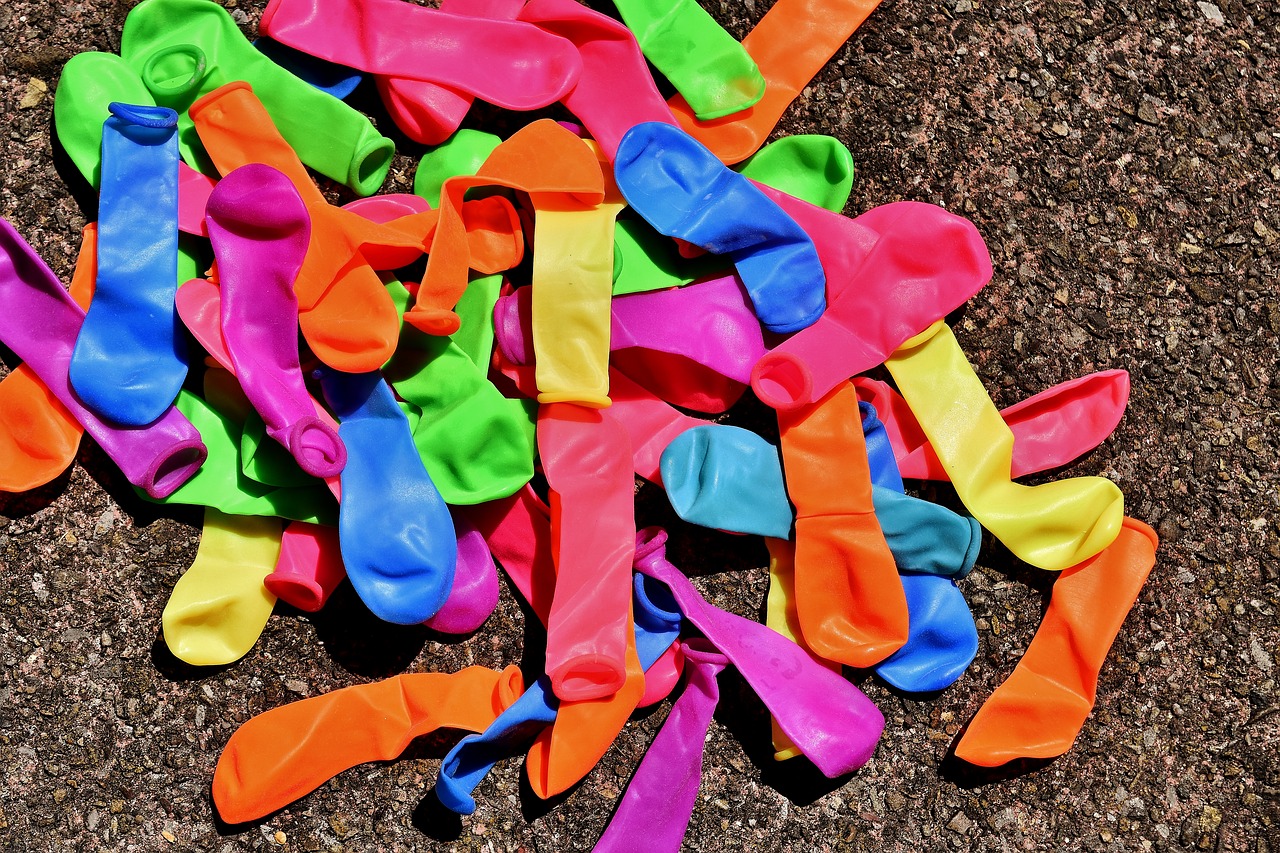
x,y
1120,160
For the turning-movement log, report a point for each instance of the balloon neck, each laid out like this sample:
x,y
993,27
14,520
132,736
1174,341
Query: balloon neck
x,y
174,74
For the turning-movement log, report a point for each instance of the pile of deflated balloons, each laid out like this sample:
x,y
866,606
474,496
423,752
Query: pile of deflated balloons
x,y
351,424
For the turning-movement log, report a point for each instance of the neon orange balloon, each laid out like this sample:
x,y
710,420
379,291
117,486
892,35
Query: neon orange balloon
x,y
344,311
790,45
39,438
851,604
1040,709
543,159
286,753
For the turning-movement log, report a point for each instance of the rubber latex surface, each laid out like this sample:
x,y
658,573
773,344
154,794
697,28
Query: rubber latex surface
x,y
1051,526
615,89
790,44
286,753
39,438
890,273
543,159
571,291
1050,429
586,456
89,83
260,230
329,78
475,584
510,64
704,63
926,537
221,482
659,800
130,358
40,325
184,49
219,606
476,444
650,423
1041,707
727,478
680,188
832,722
813,167
851,604
517,530
310,566
397,537
463,153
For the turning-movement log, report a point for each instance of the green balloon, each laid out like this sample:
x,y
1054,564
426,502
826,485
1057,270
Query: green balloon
x,y
184,49
645,260
460,154
812,167
221,483
89,83
476,444
475,309
708,66
265,460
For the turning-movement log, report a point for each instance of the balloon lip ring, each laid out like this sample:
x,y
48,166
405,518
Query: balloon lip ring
x,y
370,165
648,541
782,381
302,593
588,676
144,115
434,321
324,459
174,467
171,88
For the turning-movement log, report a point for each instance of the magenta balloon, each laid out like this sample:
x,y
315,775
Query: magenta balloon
x,y
40,324
475,583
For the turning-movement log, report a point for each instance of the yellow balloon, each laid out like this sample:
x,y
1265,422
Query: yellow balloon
x,y
1052,526
572,291
219,606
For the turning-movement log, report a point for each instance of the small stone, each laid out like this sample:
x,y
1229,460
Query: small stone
x,y
1060,129
960,823
296,685
1147,113
1211,12
339,825
1130,218
36,90
963,6
169,836
280,837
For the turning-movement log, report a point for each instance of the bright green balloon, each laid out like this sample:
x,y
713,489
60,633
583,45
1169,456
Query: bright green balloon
x,y
645,260
460,154
708,66
475,309
184,49
812,167
89,83
476,444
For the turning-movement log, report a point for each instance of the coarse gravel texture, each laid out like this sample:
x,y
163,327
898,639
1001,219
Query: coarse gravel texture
x,y
1120,158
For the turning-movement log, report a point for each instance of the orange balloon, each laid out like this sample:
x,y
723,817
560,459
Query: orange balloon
x,y
1040,709
543,159
344,310
39,438
851,604
790,45
286,753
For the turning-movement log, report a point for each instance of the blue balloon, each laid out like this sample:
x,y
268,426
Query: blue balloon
x,y
337,80
395,532
727,478
130,358
942,639
683,190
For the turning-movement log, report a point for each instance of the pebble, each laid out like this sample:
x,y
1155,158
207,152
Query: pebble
x,y
960,823
1211,12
